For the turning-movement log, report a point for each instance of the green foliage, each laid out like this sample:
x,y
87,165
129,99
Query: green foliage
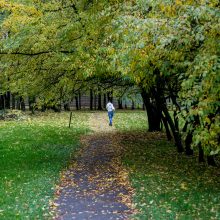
x,y
178,39
55,49
33,152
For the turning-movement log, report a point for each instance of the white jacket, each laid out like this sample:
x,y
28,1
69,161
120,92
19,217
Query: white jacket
x,y
110,107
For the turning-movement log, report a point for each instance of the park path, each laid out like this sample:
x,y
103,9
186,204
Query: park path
x,y
96,186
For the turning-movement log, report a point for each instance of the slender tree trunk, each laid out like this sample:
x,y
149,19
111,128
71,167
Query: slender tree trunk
x,y
95,100
31,102
133,105
175,132
99,100
169,136
18,103
13,101
77,102
176,121
104,100
1,102
201,154
120,106
110,96
91,99
22,104
80,100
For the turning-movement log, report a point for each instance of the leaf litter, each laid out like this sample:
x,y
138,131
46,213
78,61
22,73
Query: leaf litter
x,y
96,184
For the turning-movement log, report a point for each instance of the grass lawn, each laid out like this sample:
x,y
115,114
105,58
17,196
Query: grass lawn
x,y
33,151
167,185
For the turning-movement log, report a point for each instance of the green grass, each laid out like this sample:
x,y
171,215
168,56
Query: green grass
x,y
32,153
167,185
130,120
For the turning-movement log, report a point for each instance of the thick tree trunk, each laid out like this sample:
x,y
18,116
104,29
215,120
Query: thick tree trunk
x,y
154,116
2,102
161,103
188,143
8,100
91,99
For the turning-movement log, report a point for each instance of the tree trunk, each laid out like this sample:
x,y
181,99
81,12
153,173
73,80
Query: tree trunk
x,y
188,143
175,132
13,101
201,154
91,99
161,103
99,100
133,105
176,121
8,100
22,104
2,102
77,102
104,100
110,96
120,103
95,100
18,103
169,136
154,117
31,101
80,100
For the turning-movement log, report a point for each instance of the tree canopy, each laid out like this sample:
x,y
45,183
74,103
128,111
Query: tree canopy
x,y
170,49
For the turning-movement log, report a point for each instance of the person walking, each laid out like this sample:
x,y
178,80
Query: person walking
x,y
110,108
